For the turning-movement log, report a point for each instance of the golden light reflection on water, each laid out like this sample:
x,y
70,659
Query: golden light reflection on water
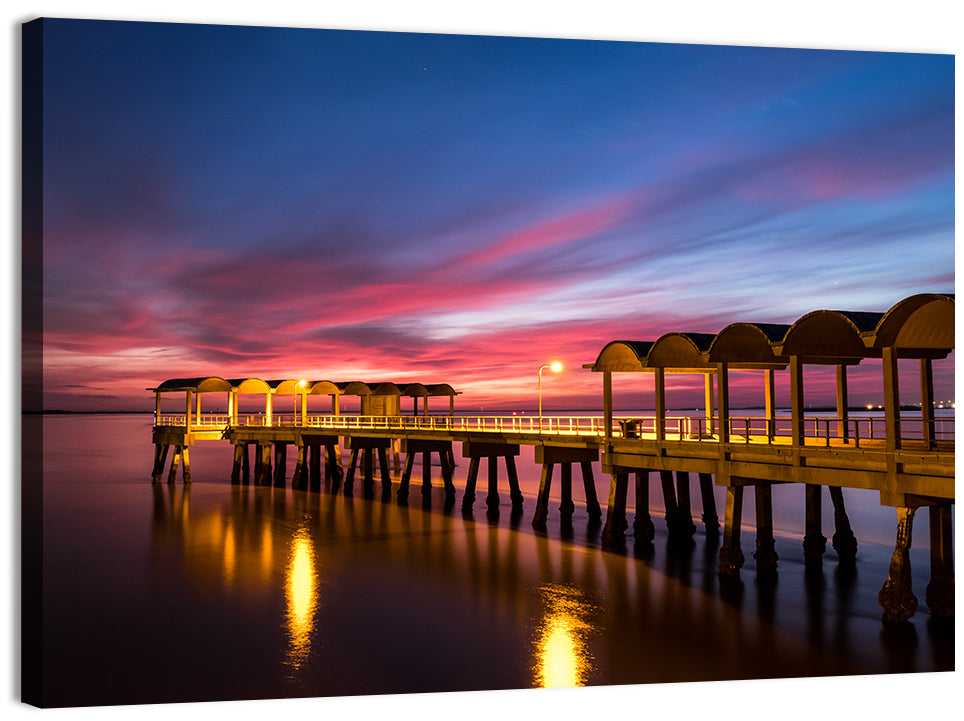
x,y
230,555
301,582
562,658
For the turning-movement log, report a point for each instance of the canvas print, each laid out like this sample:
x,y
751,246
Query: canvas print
x,y
363,362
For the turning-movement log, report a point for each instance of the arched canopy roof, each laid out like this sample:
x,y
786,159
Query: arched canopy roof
x,y
921,326
681,353
250,385
420,390
829,337
385,389
297,386
318,388
748,345
622,356
355,388
212,384
289,386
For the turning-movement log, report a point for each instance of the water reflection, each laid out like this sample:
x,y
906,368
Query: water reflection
x,y
562,658
301,594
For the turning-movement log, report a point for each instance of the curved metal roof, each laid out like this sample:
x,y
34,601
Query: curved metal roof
x,y
250,385
211,384
622,356
297,385
289,386
355,388
681,353
317,388
829,336
748,345
920,326
420,390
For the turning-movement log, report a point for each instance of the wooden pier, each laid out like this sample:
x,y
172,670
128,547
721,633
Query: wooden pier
x,y
908,460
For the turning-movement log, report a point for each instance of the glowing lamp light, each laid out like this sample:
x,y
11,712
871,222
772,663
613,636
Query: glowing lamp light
x,y
555,367
301,385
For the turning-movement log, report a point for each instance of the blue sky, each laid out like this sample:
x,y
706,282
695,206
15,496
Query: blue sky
x,y
396,206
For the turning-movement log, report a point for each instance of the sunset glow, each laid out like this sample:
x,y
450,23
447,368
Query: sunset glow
x,y
283,203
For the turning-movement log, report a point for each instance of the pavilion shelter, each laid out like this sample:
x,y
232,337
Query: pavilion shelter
x,y
825,337
297,388
922,327
744,346
192,388
245,386
328,388
420,390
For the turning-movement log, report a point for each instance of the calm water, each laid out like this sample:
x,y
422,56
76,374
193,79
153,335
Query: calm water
x,y
162,593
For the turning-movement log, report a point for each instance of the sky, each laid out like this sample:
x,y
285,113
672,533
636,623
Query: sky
x,y
391,206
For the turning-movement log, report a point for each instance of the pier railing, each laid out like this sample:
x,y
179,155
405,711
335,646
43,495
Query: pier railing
x,y
825,430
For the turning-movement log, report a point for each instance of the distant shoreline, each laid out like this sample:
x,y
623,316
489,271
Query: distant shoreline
x,y
58,412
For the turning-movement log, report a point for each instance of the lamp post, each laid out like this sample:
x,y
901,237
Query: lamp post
x,y
555,367
294,410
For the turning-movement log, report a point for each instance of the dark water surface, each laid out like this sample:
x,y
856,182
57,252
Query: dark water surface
x,y
168,593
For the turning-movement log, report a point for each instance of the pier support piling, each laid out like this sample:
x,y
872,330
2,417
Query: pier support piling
x,y
314,466
939,594
765,554
844,541
413,447
711,521
160,460
262,469
565,456
299,480
731,555
334,469
616,525
814,542
175,462
684,510
643,529
897,596
280,464
475,451
239,449
369,445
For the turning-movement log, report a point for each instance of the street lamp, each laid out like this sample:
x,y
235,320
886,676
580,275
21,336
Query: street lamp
x,y
294,409
555,367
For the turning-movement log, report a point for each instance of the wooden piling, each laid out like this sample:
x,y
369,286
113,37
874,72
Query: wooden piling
x,y
814,542
765,554
299,480
711,521
280,464
844,541
616,525
731,556
897,596
684,511
939,594
474,451
643,529
564,456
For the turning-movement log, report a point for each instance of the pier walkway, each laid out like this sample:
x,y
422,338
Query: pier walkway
x,y
907,458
